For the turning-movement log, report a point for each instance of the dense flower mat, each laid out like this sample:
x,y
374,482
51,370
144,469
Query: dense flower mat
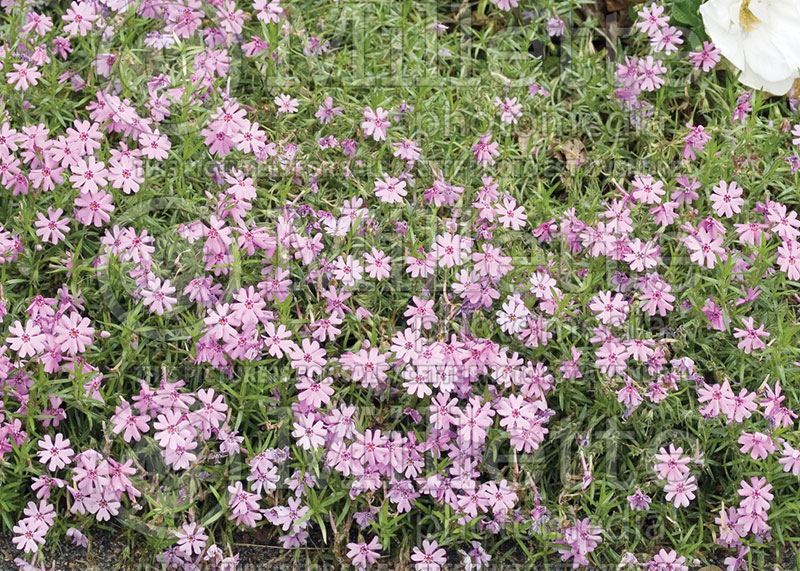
x,y
403,282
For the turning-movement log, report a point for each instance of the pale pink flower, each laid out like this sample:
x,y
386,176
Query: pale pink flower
x,y
510,215
310,433
789,259
505,5
421,314
750,336
26,341
407,150
681,492
286,104
28,536
756,496
173,429
510,110
124,419
308,358
363,554
390,190
23,77
154,145
88,175
94,207
485,150
609,310
55,454
74,333
611,358
704,248
652,18
758,444
672,465
668,561
191,539
707,58
430,558
378,264
79,17
315,393
157,296
790,460
647,190
726,200
52,228
375,123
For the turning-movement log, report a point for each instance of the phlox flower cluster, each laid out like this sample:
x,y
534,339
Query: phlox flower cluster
x,y
581,539
673,467
639,75
97,485
416,340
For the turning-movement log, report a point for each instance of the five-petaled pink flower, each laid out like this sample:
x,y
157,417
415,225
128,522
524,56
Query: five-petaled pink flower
x,y
750,336
157,296
363,554
52,228
375,123
756,495
29,536
726,199
89,175
26,341
94,207
704,248
681,492
74,332
23,77
309,432
80,17
430,558
154,145
191,539
55,454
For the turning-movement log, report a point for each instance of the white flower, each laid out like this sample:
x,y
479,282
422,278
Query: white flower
x,y
759,37
513,317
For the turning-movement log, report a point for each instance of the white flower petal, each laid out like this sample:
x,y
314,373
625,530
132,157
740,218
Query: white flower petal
x,y
767,49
